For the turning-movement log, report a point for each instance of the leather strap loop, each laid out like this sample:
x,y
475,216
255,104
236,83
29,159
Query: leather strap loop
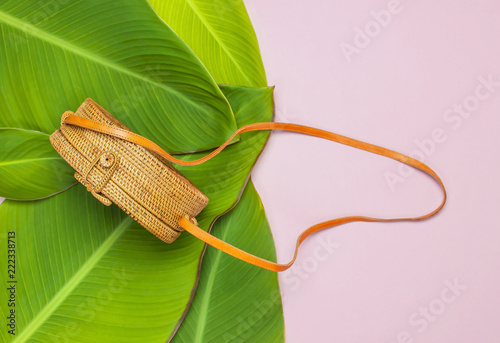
x,y
190,227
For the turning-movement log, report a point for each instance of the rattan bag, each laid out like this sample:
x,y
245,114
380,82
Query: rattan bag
x,y
140,182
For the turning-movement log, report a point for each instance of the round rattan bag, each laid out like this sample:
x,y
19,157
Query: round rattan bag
x,y
142,183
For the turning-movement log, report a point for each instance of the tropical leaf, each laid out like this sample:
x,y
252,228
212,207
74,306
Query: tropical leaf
x,y
73,253
29,167
90,273
227,175
221,34
222,178
54,54
236,301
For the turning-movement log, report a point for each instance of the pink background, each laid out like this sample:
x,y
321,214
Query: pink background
x,y
385,282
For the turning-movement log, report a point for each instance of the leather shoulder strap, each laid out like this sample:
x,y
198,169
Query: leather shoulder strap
x,y
190,226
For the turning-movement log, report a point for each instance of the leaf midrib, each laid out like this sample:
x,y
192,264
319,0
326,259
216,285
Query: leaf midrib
x,y
200,330
28,160
223,46
65,45
73,282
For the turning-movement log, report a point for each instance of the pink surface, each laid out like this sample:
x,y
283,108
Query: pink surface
x,y
432,281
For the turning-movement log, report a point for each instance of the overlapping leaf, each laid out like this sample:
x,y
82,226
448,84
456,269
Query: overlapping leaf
x,y
236,301
223,177
89,273
220,33
29,167
54,54
248,229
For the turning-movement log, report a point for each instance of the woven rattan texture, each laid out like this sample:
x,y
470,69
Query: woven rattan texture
x,y
147,188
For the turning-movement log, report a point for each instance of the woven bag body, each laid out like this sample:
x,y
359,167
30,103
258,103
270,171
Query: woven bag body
x,y
143,184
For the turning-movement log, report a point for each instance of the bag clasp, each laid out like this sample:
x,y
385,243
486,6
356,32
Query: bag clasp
x,y
107,160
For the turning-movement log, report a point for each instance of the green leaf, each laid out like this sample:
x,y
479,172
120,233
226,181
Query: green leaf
x,y
221,34
222,178
236,301
29,167
89,273
73,253
54,54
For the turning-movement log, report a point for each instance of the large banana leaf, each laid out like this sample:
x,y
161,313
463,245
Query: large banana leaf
x,y
54,54
223,177
227,175
73,253
236,301
221,34
29,167
89,273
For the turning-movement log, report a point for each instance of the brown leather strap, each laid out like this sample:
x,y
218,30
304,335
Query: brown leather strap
x,y
190,227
